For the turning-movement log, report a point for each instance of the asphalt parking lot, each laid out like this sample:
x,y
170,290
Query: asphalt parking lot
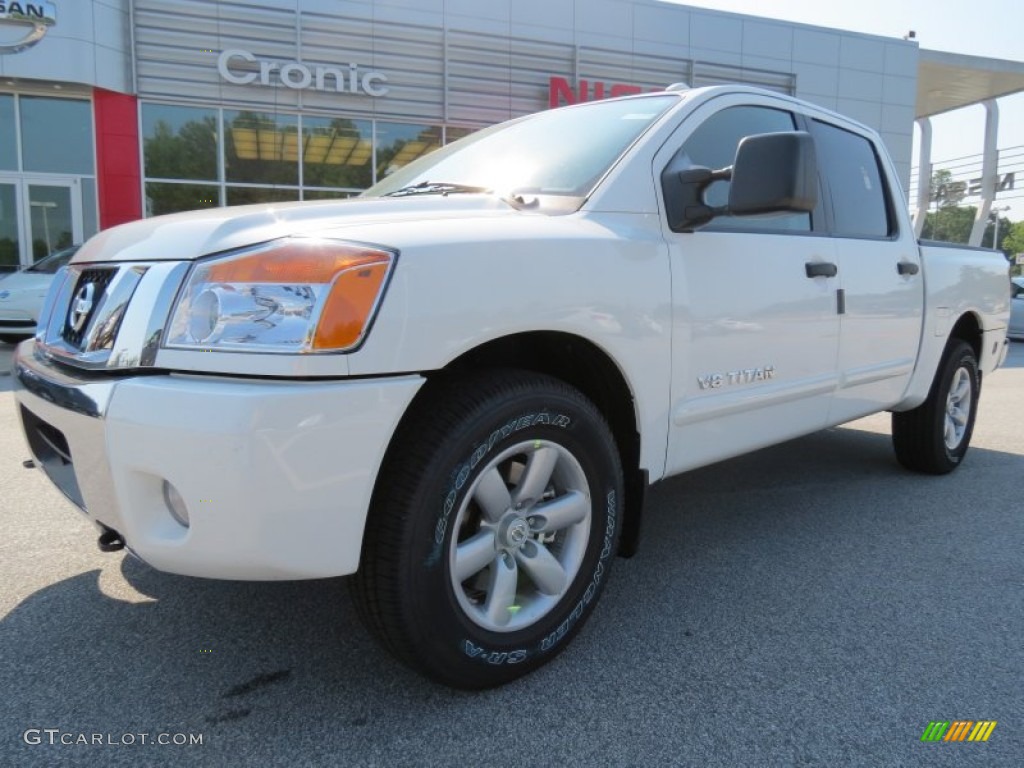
x,y
810,604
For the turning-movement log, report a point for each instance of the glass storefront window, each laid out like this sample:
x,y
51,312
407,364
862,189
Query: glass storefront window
x,y
8,144
337,152
171,198
90,226
455,132
56,135
246,195
50,218
261,148
179,142
327,194
9,243
399,144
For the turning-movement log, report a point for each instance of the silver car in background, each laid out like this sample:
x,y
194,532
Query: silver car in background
x,y
1016,309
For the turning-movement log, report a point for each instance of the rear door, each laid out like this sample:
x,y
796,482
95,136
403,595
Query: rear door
x,y
755,337
880,277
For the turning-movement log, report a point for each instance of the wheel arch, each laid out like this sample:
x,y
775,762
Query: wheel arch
x,y
585,366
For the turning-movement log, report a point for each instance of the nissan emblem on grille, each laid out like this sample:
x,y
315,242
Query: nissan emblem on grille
x,y
82,307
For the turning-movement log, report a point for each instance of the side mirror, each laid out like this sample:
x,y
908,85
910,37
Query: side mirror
x,y
771,173
774,173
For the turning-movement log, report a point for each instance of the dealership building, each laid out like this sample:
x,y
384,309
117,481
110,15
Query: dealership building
x,y
111,110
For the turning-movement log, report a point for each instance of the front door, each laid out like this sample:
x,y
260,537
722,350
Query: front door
x,y
755,325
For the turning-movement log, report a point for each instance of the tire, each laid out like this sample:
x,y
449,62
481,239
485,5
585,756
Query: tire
x,y
10,338
934,437
493,527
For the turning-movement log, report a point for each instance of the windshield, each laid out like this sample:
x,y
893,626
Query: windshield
x,y
560,152
54,261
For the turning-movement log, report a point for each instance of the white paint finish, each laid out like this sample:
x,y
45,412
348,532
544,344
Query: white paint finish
x,y
661,23
857,52
899,90
544,13
433,6
815,47
901,59
678,51
857,84
816,79
716,31
762,38
477,25
272,491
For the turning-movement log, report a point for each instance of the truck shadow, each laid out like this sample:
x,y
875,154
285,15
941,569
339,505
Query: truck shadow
x,y
288,663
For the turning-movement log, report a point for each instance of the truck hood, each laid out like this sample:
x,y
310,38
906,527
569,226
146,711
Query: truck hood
x,y
187,236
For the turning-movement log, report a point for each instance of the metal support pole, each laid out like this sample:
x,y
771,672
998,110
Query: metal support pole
x,y
989,172
924,175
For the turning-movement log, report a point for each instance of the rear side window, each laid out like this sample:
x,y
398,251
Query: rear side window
x,y
713,145
859,197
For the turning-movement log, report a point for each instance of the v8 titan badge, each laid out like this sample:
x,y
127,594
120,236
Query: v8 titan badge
x,y
23,24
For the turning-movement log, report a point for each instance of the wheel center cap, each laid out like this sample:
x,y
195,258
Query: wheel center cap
x,y
516,532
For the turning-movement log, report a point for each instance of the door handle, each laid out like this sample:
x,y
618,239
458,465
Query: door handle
x,y
907,268
821,269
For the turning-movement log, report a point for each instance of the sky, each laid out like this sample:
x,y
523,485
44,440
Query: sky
x,y
993,28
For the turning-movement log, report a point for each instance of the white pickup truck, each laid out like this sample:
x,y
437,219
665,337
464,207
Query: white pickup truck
x,y
458,386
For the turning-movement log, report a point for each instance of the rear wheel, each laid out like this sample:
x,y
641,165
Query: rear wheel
x,y
934,437
492,529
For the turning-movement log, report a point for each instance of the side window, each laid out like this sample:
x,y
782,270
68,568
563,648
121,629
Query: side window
x,y
859,198
713,145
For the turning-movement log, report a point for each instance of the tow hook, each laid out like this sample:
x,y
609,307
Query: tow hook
x,y
110,540
28,464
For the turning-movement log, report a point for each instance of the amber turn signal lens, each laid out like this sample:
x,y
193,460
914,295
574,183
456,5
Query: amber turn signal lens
x,y
350,305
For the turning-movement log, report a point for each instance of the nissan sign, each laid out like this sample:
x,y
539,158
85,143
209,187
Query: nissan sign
x,y
28,22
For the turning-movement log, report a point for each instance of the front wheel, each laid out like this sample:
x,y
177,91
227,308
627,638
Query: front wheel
x,y
493,528
934,437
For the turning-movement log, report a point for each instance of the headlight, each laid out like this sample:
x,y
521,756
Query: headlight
x,y
290,295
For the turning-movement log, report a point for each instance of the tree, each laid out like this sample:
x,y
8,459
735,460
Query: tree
x,y
1013,243
944,191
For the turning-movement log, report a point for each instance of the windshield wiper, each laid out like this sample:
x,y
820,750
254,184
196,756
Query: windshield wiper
x,y
436,188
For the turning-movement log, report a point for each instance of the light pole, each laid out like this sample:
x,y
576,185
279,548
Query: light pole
x,y
995,234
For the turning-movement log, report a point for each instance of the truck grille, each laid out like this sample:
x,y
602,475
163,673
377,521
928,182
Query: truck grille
x,y
83,308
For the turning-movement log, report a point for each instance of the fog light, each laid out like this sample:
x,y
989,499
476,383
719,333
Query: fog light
x,y
175,504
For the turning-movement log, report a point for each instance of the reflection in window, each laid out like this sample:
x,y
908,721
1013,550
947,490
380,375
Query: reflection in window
x,y
8,145
179,142
261,148
49,218
9,247
337,152
399,144
327,194
172,198
56,135
858,193
713,145
247,195
455,132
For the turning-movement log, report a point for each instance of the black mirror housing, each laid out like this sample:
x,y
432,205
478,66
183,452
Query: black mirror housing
x,y
774,173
